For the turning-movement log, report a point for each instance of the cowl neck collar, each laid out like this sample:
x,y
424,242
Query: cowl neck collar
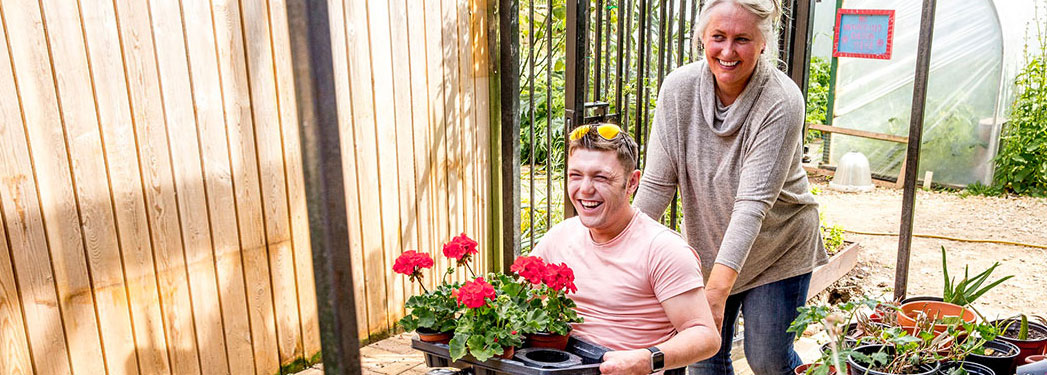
x,y
742,106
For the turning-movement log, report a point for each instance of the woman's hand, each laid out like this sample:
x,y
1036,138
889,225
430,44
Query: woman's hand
x,y
717,289
626,362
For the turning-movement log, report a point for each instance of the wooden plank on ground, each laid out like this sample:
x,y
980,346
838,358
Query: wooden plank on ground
x,y
414,22
300,244
217,182
232,63
13,341
436,146
159,185
839,265
182,132
389,119
272,177
40,109
360,80
90,178
453,118
339,53
114,115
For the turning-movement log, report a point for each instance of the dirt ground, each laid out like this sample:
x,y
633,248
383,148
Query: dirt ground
x,y
949,214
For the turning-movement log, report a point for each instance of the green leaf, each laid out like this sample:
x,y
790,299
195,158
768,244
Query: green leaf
x,y
457,347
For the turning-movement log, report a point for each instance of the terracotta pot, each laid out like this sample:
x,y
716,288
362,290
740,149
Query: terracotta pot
x,y
546,340
507,353
934,310
1035,358
1027,347
428,335
802,369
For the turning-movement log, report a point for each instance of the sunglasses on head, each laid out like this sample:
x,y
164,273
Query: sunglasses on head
x,y
608,131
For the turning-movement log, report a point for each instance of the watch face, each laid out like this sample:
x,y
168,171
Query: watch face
x,y
657,361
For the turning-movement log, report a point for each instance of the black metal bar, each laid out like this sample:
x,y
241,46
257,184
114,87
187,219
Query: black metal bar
x,y
662,40
548,116
575,78
598,46
628,63
508,52
668,38
310,38
530,124
607,59
623,13
644,96
682,33
641,58
912,156
694,20
802,22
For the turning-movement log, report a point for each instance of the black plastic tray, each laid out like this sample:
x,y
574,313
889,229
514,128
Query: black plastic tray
x,y
438,355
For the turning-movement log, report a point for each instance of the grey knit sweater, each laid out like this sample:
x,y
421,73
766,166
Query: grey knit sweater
x,y
746,201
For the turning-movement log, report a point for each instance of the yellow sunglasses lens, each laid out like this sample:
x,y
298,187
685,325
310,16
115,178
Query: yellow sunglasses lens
x,y
579,132
609,131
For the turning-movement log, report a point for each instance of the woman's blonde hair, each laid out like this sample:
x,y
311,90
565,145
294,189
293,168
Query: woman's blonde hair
x,y
769,13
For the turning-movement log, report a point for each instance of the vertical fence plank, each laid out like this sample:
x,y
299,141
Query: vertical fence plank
x,y
423,173
466,141
20,210
453,118
84,143
360,80
340,55
114,115
180,113
387,123
247,197
272,182
403,131
217,184
15,360
161,201
436,151
483,121
36,88
303,260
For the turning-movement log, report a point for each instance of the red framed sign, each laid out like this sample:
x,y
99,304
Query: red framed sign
x,y
866,33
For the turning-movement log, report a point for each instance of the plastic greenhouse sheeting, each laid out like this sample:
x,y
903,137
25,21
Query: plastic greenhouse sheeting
x,y
968,91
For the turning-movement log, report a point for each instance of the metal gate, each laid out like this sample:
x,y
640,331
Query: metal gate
x,y
610,56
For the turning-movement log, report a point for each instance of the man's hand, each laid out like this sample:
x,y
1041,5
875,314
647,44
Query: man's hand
x,y
717,289
626,362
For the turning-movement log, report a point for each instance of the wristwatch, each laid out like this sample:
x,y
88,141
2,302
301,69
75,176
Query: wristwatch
x,y
657,359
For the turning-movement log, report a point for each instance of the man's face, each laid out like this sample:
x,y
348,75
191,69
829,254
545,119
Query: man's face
x,y
600,189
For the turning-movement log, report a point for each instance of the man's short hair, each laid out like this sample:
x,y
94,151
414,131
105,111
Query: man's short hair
x,y
622,144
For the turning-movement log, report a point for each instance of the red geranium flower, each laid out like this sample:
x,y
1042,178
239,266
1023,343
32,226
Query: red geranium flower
x,y
411,263
461,248
475,293
560,277
467,243
531,268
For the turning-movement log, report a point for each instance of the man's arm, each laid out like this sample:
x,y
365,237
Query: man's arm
x,y
697,339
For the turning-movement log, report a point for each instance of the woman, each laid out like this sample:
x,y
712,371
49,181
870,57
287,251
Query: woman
x,y
727,134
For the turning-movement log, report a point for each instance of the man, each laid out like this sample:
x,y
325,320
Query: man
x,y
639,284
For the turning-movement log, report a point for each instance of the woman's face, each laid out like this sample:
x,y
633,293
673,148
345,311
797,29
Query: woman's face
x,y
733,44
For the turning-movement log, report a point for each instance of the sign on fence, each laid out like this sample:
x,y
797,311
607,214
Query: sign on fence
x,y
866,33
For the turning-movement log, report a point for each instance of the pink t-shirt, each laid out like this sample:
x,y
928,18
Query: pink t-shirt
x,y
621,283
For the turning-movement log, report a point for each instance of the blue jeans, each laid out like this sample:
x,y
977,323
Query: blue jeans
x,y
768,311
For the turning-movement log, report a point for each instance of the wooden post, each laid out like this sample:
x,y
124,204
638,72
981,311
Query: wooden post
x,y
912,156
310,36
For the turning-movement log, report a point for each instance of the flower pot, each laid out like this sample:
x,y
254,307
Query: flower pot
x,y
507,353
802,369
429,335
1035,358
862,369
1027,347
546,340
971,367
934,310
1001,359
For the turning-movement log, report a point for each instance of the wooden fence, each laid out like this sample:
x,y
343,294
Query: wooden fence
x,y
151,188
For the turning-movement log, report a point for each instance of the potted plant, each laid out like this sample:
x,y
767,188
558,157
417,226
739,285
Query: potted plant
x,y
551,310
996,354
968,289
489,326
1029,337
941,314
433,314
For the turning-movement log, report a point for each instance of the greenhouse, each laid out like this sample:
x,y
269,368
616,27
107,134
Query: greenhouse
x,y
977,50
